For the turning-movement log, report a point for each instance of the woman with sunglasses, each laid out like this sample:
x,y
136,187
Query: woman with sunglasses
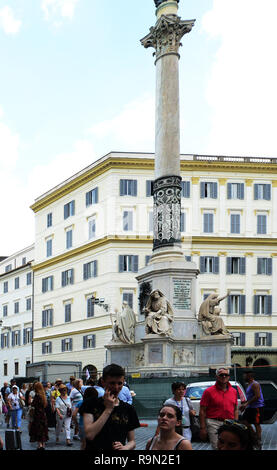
x,y
64,414
233,435
169,418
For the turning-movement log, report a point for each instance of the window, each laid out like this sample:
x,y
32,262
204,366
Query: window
x,y
49,220
29,303
69,238
262,191
8,268
236,304
16,368
128,297
5,287
263,339
67,313
239,339
128,187
92,197
264,266
149,188
49,247
90,307
235,191
235,265
46,347
147,259
185,189
90,270
261,224
69,209
92,227
27,335
23,261
28,279
209,264
89,341
16,283
67,277
16,338
47,284
127,221
128,263
5,368
208,190
5,340
47,317
67,344
208,223
235,223
5,310
16,307
183,222
263,304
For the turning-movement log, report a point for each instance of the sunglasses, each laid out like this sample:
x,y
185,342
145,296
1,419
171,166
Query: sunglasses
x,y
223,375
232,422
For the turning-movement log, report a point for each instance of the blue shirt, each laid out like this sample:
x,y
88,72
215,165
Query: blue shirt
x,y
125,395
100,390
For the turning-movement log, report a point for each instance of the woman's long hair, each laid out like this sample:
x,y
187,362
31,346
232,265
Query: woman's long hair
x,y
40,391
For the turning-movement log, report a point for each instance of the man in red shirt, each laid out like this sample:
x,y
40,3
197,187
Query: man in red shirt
x,y
218,403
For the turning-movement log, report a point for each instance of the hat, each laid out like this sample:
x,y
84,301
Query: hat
x,y
58,380
14,386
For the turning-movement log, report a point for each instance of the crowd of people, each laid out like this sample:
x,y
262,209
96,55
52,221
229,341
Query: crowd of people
x,y
103,418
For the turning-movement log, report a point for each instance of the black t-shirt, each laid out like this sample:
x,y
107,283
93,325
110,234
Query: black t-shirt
x,y
122,420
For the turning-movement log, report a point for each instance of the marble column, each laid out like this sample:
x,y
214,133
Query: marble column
x,y
165,38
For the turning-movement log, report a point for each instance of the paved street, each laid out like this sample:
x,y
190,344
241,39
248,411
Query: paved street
x,y
142,435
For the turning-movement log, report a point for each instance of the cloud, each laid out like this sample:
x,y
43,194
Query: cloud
x,y
132,130
241,90
8,22
54,10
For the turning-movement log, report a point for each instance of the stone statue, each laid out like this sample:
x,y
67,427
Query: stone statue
x,y
124,325
158,314
159,2
209,316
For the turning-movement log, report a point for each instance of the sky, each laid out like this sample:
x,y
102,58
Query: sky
x,y
75,84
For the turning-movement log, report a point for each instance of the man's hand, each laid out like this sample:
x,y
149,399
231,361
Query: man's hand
x,y
192,412
109,400
243,406
118,445
203,434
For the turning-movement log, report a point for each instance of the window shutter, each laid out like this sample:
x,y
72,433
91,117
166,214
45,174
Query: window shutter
x,y
96,195
242,266
66,211
50,347
229,305
269,339
51,317
43,348
202,190
206,223
241,191
73,207
24,336
269,305
63,345
71,276
256,339
269,267
135,263
202,264
256,195
134,188
242,339
121,263
267,192
121,188
88,198
85,271
242,305
216,265
256,300
84,342
182,222
19,338
95,268
63,279
229,190
12,338
51,282
8,340
214,190
259,265
43,285
229,265
43,319
93,341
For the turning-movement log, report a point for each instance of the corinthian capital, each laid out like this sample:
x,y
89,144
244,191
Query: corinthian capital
x,y
166,35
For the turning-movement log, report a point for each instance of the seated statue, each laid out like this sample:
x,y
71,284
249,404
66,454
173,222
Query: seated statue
x,y
158,314
209,316
124,325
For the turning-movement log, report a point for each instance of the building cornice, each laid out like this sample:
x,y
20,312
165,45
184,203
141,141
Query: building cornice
x,y
72,333
147,163
118,239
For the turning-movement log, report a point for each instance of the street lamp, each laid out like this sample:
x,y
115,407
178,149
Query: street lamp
x,y
100,301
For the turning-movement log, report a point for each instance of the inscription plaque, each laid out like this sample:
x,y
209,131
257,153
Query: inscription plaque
x,y
156,354
182,294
